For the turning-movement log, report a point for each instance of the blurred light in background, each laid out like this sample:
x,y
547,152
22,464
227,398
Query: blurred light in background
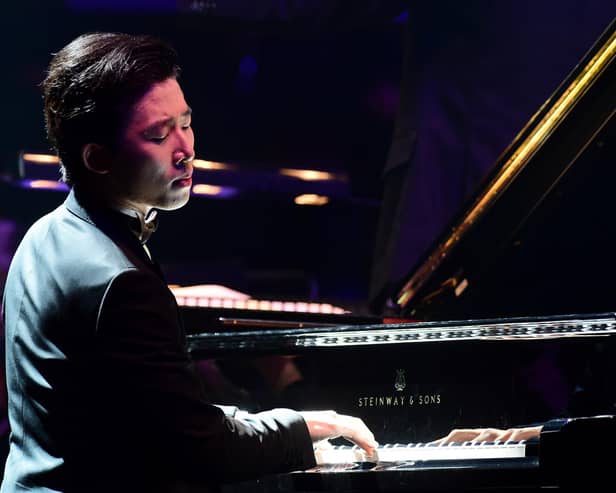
x,y
311,199
214,191
211,178
402,17
248,67
44,185
33,167
202,164
311,175
40,158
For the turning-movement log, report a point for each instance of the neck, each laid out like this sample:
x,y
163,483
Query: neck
x,y
98,194
145,221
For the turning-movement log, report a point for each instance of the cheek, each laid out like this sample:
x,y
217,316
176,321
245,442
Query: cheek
x,y
149,164
139,169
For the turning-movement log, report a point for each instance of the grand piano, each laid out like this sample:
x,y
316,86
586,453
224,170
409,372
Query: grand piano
x,y
507,321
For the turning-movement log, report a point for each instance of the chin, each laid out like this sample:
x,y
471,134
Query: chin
x,y
173,203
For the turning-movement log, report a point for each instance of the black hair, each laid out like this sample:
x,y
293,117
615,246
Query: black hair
x,y
90,87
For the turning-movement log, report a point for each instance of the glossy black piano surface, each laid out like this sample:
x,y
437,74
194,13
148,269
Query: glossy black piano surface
x,y
515,321
569,456
539,236
413,382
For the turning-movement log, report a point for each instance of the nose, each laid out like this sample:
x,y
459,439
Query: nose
x,y
182,161
184,152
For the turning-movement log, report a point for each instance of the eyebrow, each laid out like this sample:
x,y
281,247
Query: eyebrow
x,y
167,121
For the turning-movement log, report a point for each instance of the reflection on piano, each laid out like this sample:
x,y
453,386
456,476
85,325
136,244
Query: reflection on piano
x,y
412,382
539,237
402,455
569,455
484,353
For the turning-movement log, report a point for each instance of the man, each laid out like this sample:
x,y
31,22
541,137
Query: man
x,y
102,392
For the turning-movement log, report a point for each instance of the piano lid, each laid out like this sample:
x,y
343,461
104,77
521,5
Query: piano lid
x,y
539,236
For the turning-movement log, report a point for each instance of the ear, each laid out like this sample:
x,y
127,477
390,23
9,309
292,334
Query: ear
x,y
96,158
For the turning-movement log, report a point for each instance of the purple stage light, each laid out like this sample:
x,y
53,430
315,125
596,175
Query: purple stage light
x,y
248,67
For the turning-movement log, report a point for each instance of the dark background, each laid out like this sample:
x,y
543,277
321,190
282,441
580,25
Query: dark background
x,y
267,91
316,85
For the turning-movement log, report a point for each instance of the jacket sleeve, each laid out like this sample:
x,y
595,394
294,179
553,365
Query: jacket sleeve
x,y
164,414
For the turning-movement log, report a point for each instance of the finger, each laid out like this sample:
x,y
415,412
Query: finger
x,y
518,434
477,435
323,445
458,435
356,431
491,435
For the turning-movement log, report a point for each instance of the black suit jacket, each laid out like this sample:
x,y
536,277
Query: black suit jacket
x,y
102,392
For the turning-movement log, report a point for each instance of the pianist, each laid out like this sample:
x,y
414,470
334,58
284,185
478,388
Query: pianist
x,y
102,392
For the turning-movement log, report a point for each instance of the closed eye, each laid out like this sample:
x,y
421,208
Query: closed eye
x,y
186,121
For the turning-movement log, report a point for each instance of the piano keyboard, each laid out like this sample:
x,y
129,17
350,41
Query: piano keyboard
x,y
343,454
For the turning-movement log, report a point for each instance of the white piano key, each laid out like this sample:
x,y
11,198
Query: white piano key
x,y
422,452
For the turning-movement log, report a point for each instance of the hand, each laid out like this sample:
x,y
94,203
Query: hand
x,y
489,435
323,425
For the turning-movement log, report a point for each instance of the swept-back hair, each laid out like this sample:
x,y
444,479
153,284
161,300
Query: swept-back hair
x,y
91,86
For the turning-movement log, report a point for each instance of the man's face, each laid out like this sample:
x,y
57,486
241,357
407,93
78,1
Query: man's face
x,y
152,164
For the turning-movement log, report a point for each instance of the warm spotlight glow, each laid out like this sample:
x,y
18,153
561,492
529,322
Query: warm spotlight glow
x,y
45,184
218,296
202,164
213,190
202,189
40,158
311,199
311,174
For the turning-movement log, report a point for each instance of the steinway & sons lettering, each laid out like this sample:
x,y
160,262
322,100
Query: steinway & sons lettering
x,y
399,400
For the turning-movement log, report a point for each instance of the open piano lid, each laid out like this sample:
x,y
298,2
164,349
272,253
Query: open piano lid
x,y
539,236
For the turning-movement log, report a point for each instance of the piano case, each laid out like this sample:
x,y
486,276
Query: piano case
x,y
515,325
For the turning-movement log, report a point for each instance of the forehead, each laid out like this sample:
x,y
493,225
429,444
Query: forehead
x,y
162,101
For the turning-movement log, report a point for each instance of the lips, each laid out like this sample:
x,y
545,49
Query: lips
x,y
185,181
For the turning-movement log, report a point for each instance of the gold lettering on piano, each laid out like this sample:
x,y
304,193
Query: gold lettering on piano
x,y
427,399
399,400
